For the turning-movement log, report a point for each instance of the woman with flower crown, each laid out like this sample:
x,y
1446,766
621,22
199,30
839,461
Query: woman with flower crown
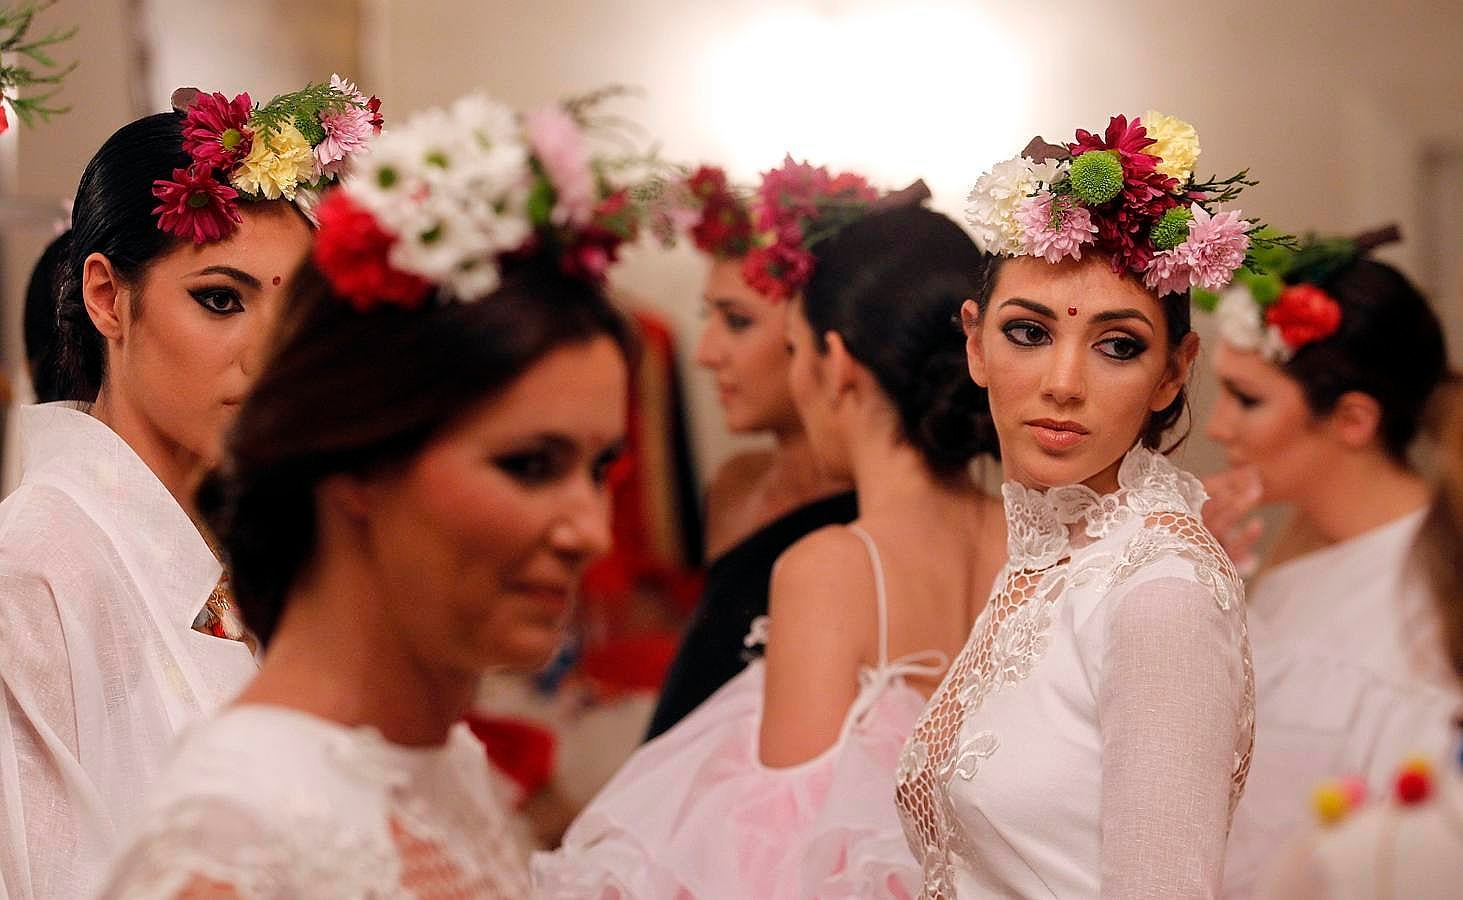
x,y
1405,840
1093,736
116,624
1325,364
760,501
407,499
780,785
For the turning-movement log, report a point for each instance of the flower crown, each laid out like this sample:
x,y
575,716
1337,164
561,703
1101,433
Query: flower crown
x,y
1280,307
1129,194
441,201
295,142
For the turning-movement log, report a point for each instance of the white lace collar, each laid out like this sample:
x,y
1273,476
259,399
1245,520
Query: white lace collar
x,y
1040,524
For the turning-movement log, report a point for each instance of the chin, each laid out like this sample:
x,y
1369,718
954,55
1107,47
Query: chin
x,y
529,650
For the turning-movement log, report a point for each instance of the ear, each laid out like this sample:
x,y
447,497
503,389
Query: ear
x,y
353,495
1356,420
1181,362
974,352
839,366
104,295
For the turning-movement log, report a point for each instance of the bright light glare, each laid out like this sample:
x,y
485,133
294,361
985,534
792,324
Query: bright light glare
x,y
894,94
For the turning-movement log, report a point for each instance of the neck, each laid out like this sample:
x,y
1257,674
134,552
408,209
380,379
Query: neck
x,y
336,655
890,474
176,467
1360,492
795,471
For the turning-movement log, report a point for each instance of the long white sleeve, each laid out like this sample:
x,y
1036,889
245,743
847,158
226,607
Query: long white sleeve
x,y
1170,709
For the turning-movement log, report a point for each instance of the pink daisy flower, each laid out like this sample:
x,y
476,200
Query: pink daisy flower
x,y
195,205
347,130
216,130
1054,232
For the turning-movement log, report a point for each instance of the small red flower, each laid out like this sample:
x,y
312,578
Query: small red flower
x,y
351,250
195,205
597,246
1304,314
725,227
373,106
4,120
778,272
216,130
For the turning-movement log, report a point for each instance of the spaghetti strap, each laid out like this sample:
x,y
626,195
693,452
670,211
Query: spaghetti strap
x,y
880,596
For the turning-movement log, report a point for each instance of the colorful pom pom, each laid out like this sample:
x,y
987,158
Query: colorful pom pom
x,y
1414,781
1337,798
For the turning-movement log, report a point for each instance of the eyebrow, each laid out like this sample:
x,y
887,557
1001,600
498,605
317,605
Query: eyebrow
x,y
1040,309
238,275
1116,315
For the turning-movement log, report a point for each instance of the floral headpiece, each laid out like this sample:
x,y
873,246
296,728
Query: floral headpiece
x,y
442,200
1129,194
722,225
295,143
1280,307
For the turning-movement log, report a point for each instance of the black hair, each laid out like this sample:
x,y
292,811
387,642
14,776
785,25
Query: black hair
x,y
354,392
1178,321
39,330
1389,346
891,285
111,215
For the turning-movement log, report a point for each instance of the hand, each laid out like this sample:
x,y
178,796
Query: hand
x,y
1234,494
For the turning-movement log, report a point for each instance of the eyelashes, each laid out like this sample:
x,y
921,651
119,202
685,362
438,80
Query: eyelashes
x,y
533,468
1027,333
221,301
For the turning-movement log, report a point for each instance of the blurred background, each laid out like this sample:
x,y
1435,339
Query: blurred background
x,y
1346,111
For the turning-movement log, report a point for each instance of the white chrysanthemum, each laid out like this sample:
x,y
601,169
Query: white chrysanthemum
x,y
387,176
1274,347
997,195
1238,320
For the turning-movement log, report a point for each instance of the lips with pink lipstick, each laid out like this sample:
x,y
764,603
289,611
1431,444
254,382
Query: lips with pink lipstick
x,y
1057,435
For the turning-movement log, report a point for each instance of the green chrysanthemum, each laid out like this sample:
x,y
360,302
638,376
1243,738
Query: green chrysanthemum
x,y
1172,229
1096,176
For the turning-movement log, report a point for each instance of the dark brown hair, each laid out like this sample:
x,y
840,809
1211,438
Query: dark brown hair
x,y
1440,542
352,392
1390,346
1178,323
890,285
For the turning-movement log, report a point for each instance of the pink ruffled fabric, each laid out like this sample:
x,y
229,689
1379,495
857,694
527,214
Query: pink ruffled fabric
x,y
694,814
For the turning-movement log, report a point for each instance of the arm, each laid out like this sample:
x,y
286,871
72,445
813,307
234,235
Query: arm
x,y
53,826
823,625
1170,705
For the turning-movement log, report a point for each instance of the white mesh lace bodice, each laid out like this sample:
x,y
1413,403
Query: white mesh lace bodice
x,y
1094,735
264,802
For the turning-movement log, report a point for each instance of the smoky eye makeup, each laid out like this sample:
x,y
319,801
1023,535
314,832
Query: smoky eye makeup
x,y
1025,332
218,299
1122,346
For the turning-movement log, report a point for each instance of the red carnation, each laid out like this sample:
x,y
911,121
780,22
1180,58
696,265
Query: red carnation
x,y
778,272
373,106
195,205
707,182
1304,314
351,250
216,130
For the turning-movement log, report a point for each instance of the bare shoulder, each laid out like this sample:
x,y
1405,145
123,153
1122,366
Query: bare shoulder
x,y
827,570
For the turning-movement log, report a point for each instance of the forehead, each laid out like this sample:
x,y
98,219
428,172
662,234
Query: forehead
x,y
577,389
724,281
272,239
1245,366
1089,284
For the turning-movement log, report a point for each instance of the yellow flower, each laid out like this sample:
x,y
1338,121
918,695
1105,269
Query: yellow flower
x,y
1177,147
276,165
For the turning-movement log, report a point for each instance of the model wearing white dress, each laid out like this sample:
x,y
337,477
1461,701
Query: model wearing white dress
x,y
694,815
102,574
1350,680
1093,736
267,802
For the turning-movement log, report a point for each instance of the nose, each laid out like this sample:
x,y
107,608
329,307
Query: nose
x,y
708,348
1220,428
1065,382
258,328
582,533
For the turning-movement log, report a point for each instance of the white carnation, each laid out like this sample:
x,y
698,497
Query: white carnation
x,y
995,197
1238,319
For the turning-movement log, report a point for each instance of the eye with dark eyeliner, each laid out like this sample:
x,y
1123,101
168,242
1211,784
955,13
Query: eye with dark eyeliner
x,y
531,467
1025,333
221,301
605,462
1122,347
1246,401
736,322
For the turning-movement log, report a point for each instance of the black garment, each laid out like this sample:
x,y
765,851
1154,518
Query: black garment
x,y
737,583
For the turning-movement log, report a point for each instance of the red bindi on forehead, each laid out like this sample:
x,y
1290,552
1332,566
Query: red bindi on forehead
x,y
277,280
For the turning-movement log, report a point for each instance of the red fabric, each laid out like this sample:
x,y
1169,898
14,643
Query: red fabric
x,y
518,748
